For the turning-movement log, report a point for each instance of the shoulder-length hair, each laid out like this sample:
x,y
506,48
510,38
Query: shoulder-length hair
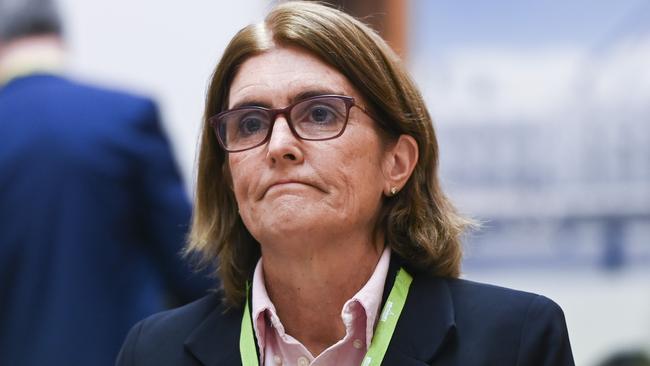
x,y
419,223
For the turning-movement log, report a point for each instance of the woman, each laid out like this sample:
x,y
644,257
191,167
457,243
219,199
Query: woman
x,y
319,198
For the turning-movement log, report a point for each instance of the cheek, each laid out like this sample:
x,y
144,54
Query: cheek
x,y
240,173
365,162
360,178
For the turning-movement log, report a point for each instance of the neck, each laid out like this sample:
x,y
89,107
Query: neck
x,y
309,292
31,54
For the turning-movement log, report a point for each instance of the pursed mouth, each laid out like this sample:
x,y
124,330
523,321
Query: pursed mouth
x,y
286,184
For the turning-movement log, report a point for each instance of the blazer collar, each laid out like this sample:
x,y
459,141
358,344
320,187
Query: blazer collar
x,y
425,324
216,340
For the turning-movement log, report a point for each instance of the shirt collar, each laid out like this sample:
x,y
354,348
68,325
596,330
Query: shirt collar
x,y
369,296
259,305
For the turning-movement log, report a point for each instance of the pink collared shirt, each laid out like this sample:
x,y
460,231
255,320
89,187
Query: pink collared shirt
x,y
359,315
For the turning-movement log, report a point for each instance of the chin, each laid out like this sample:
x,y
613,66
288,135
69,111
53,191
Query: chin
x,y
291,208
292,215
285,225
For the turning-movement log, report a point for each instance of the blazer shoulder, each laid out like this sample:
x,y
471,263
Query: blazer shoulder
x,y
58,86
182,320
531,325
467,288
496,301
159,339
66,99
117,97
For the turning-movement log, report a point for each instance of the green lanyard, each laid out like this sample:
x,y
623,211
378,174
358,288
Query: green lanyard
x,y
383,334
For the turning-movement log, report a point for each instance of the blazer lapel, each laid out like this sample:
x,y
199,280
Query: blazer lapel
x,y
216,340
426,322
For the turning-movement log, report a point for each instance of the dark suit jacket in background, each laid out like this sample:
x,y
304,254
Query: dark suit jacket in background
x,y
92,217
444,322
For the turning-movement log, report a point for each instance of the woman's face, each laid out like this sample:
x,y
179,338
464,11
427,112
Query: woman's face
x,y
289,188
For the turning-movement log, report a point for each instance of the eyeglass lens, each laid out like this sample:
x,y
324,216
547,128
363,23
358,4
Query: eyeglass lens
x,y
312,119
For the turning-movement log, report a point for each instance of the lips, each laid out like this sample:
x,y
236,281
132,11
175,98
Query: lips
x,y
287,182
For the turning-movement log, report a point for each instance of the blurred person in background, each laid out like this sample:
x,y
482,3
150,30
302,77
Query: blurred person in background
x,y
93,212
627,358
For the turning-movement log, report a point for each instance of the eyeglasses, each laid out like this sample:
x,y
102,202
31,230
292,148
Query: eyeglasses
x,y
323,117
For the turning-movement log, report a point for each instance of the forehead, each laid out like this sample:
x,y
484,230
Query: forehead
x,y
275,77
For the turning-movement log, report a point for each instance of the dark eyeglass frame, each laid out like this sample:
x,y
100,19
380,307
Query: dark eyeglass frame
x,y
273,114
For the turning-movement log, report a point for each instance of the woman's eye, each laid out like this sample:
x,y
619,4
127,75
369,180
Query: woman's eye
x,y
321,115
250,125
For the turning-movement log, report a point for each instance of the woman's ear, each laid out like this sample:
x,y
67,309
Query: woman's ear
x,y
399,163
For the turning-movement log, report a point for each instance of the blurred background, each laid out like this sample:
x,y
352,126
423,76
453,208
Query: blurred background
x,y
543,116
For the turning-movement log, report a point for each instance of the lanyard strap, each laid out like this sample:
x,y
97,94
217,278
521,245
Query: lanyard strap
x,y
383,334
247,348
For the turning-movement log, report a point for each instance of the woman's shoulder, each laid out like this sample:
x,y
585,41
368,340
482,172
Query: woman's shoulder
x,y
488,324
478,295
161,339
470,289
470,303
186,317
504,319
476,302
497,300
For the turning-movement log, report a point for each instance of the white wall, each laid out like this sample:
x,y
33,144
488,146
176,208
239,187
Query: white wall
x,y
165,49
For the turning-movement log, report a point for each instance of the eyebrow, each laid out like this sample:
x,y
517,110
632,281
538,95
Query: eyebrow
x,y
298,97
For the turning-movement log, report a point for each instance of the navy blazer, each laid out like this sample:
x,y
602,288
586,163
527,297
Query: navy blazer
x,y
444,322
93,214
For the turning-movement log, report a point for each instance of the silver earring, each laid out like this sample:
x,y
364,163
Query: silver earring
x,y
393,191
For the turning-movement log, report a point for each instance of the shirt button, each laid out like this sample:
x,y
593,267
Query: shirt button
x,y
303,361
348,318
277,359
357,344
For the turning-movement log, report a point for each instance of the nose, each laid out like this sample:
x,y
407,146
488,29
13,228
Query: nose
x,y
283,146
